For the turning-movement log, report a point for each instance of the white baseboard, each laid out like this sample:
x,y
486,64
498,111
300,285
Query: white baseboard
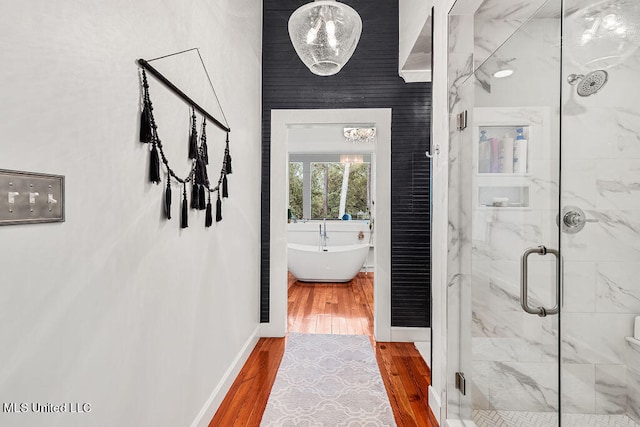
x,y
271,330
434,404
424,348
217,396
401,334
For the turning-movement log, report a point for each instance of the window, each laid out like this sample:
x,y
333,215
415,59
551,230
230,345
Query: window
x,y
329,186
296,189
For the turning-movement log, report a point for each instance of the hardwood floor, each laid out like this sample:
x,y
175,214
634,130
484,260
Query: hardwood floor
x,y
330,308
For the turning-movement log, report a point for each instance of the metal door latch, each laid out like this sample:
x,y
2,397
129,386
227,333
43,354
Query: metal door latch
x,y
461,383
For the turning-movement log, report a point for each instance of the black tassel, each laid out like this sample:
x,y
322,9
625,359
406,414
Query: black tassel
x,y
203,143
167,199
145,125
193,138
184,220
146,132
227,158
195,197
193,146
201,172
225,188
202,198
205,152
154,166
219,209
229,170
205,175
208,218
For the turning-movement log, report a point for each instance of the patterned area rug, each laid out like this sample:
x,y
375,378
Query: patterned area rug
x,y
328,380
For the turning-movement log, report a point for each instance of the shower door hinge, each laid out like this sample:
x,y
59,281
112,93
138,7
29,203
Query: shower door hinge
x,y
462,120
461,383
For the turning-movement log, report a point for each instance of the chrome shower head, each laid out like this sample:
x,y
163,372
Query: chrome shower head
x,y
590,83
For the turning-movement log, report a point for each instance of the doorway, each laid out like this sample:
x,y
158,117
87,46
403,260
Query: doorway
x,y
282,121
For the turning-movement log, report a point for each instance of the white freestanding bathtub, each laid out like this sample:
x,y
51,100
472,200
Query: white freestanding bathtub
x,y
332,264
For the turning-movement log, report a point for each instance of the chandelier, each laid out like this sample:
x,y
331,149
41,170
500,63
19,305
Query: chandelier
x,y
351,158
356,135
325,34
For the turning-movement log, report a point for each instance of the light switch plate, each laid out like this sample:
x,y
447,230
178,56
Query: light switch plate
x,y
29,197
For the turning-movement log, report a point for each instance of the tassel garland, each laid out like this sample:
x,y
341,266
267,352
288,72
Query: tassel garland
x,y
218,209
154,166
193,138
198,176
225,188
184,220
167,199
202,198
208,219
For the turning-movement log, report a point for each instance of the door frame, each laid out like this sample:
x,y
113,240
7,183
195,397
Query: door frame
x,y
281,120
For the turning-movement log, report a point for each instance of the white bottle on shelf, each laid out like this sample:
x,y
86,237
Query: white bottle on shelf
x,y
520,153
507,143
484,153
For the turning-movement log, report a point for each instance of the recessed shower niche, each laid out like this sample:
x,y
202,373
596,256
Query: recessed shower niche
x,y
510,145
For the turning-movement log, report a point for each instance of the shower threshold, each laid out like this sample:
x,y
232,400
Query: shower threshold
x,y
492,418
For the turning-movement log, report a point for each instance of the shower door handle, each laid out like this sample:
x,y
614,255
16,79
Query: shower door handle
x,y
524,286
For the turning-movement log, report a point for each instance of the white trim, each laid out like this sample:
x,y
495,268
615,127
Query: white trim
x,y
424,348
402,334
435,404
281,120
219,392
415,76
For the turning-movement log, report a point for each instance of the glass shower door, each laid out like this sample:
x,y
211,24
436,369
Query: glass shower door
x,y
504,264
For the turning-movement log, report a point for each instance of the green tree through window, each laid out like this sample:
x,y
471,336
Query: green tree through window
x,y
326,186
295,189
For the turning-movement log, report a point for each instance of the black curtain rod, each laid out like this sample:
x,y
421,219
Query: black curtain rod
x,y
144,64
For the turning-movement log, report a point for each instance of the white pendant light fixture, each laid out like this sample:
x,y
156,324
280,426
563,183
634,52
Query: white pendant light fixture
x,y
325,34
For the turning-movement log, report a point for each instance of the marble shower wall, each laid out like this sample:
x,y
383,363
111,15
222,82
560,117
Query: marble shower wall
x,y
495,21
601,175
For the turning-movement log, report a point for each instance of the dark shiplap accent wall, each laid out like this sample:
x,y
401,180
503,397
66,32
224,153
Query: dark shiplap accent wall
x,y
369,80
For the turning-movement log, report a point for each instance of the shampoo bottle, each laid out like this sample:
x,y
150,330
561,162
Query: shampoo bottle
x,y
507,143
520,153
484,153
495,154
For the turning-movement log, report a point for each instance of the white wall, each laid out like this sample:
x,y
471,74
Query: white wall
x,y
413,16
117,307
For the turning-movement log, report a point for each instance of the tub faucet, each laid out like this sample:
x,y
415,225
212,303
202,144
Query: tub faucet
x,y
323,234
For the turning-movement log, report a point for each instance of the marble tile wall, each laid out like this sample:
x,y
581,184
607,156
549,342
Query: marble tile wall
x,y
601,174
495,21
